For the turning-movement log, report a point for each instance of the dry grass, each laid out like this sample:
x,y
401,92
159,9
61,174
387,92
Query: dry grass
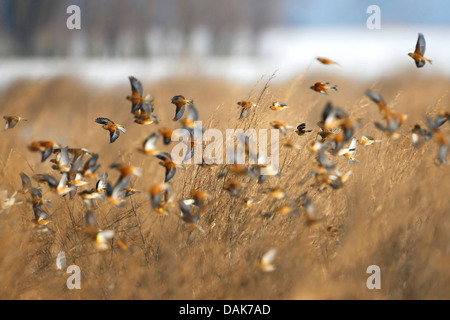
x,y
393,211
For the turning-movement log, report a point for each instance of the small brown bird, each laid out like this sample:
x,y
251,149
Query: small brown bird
x,y
41,220
149,144
199,197
145,117
310,212
180,102
166,135
291,144
281,126
89,196
301,129
113,128
102,238
326,61
234,187
189,123
276,193
418,133
11,121
189,219
417,55
439,138
323,87
168,164
267,259
367,140
246,107
62,162
138,101
60,187
44,147
161,195
276,106
126,170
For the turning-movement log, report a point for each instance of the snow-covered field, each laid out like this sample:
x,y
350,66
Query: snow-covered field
x,y
361,53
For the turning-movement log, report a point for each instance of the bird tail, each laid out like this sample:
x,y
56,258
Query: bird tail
x,y
335,87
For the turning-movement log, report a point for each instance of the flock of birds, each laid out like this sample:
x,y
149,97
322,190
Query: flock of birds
x,y
78,167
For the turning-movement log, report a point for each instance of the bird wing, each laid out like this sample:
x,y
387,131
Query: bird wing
x,y
420,45
103,120
151,141
136,86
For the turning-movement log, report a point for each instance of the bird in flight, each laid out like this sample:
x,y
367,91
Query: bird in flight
x,y
323,87
326,61
180,102
301,129
138,101
113,128
11,121
417,55
276,106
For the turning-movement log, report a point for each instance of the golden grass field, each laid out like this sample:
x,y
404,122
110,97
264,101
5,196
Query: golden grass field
x,y
392,212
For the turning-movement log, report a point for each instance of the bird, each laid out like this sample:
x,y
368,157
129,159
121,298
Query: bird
x,y
418,133
101,237
138,101
62,162
246,107
113,128
281,126
89,196
145,117
309,209
332,117
168,164
323,87
290,209
190,121
267,259
233,187
36,194
161,195
11,121
275,193
149,144
326,61
180,102
367,140
434,126
417,55
90,167
59,187
189,219
276,106
291,144
126,170
350,152
6,203
41,220
199,197
301,129
393,119
44,147
166,135
117,193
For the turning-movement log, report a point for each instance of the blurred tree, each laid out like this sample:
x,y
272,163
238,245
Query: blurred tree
x,y
122,28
